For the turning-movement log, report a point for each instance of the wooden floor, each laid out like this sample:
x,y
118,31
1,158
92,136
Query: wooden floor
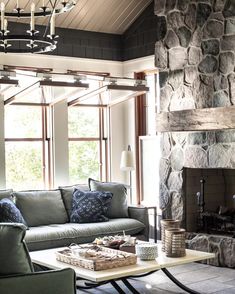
x,y
200,277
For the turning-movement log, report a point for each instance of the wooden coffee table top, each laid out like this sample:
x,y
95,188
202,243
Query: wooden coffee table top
x,y
47,258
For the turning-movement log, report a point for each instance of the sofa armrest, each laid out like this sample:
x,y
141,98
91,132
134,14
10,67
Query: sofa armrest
x,y
48,282
140,213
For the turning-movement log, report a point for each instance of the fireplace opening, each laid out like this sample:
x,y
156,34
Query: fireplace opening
x,y
209,200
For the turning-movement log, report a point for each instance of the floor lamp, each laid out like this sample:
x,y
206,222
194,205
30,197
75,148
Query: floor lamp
x,y
127,164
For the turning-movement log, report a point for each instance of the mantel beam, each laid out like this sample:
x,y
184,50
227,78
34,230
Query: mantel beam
x,y
206,119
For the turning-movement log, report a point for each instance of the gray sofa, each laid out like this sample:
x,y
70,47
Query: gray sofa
x,y
47,216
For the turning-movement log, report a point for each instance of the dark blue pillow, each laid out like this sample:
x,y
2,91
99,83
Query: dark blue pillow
x,y
9,213
90,206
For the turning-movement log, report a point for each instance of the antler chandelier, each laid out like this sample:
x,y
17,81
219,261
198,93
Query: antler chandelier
x,y
32,41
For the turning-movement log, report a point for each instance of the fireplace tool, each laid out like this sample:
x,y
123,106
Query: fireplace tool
x,y
201,207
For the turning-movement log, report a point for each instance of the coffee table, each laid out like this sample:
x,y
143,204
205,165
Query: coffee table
x,y
93,279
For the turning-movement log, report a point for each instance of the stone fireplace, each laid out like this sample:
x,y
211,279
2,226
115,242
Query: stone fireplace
x,y
195,55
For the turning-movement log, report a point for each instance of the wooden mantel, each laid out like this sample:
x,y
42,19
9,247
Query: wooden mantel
x,y
206,119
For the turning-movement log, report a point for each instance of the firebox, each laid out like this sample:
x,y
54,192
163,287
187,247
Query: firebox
x,y
209,200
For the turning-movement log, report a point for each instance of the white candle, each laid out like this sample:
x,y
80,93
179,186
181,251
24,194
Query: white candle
x,y
5,24
52,28
32,23
43,3
2,15
17,4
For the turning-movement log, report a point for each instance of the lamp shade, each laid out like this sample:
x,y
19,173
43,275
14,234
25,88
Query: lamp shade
x,y
127,161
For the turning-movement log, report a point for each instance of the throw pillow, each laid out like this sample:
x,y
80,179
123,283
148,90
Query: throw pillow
x,y
118,206
9,213
90,207
6,194
67,195
42,207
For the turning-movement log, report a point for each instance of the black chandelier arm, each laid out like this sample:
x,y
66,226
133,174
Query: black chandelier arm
x,y
19,13
36,44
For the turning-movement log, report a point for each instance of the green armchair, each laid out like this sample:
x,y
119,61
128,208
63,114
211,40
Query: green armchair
x,y
17,273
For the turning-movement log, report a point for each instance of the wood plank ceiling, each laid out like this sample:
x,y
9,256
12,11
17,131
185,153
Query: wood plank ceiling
x,y
108,16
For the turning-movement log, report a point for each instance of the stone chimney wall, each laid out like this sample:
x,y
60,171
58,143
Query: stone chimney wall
x,y
195,55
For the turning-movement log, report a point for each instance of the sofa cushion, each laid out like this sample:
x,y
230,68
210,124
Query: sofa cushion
x,y
44,237
14,256
118,206
41,207
67,195
6,193
9,213
90,207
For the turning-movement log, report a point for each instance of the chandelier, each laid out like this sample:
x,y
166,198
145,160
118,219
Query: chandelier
x,y
32,41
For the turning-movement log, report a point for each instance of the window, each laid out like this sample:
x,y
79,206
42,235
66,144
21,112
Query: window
x,y
86,143
26,147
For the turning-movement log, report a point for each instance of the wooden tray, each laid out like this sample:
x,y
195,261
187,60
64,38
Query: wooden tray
x,y
104,258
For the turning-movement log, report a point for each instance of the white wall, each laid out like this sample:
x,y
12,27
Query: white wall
x,y
122,115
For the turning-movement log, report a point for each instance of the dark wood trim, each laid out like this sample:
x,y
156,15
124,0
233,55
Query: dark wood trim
x,y
140,130
219,118
63,84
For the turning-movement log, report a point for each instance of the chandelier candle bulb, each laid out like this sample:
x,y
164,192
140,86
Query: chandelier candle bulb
x,y
2,15
17,4
32,24
52,28
5,24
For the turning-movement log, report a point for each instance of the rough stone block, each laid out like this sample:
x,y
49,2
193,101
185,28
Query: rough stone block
x,y
165,94
226,62
218,5
184,36
177,206
175,19
217,16
177,159
229,8
228,43
195,157
230,26
231,81
176,79
197,138
159,7
197,37
160,55
182,4
194,55
171,39
208,65
225,136
203,12
177,58
221,99
190,17
163,76
218,156
190,74
213,29
220,82
164,197
211,47
170,5
175,181
161,28
164,169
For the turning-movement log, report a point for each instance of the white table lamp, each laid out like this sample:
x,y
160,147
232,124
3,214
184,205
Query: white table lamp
x,y
127,164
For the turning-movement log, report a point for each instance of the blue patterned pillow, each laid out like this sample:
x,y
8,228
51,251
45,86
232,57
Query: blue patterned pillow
x,y
9,213
90,207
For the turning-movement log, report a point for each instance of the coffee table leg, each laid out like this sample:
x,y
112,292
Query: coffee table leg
x,y
130,287
177,282
117,287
